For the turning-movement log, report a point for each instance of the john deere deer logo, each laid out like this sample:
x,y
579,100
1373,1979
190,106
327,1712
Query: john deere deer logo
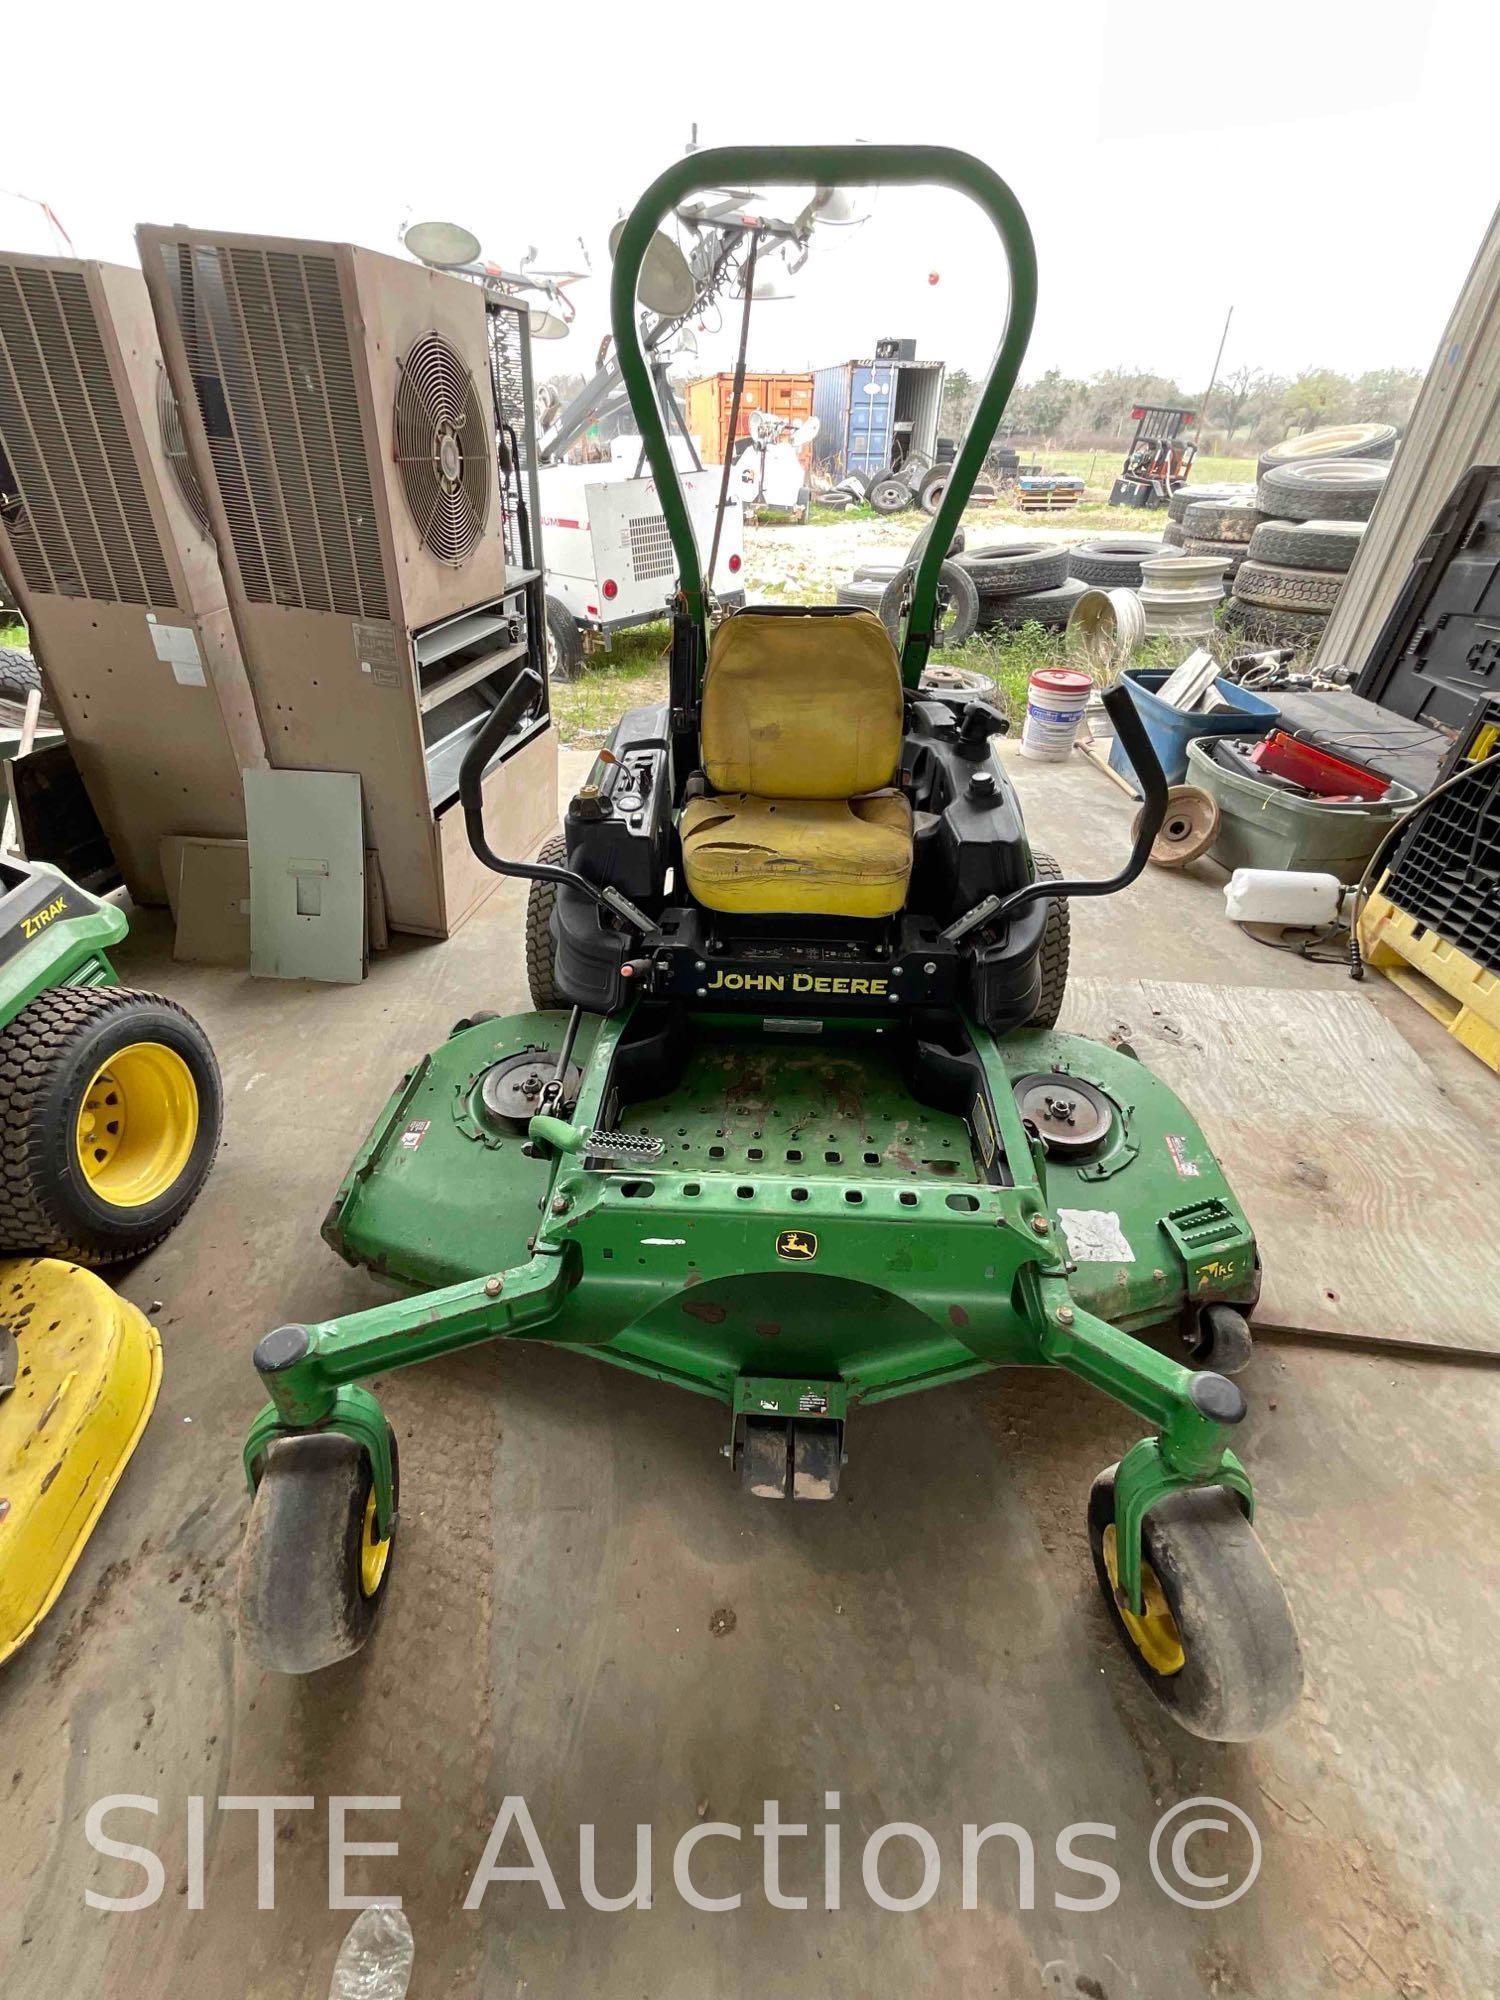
x,y
800,1245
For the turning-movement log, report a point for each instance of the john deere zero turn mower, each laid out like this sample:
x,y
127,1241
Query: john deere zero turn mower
x,y
791,1125
109,1120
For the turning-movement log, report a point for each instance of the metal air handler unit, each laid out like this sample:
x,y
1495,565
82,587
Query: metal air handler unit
x,y
105,543
340,415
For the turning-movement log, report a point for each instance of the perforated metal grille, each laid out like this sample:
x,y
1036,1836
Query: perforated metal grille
x,y
273,373
83,527
650,547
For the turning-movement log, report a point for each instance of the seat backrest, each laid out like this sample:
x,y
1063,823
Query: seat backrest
x,y
801,706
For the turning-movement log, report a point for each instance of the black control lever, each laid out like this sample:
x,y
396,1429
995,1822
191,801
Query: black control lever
x,y
507,713
1131,731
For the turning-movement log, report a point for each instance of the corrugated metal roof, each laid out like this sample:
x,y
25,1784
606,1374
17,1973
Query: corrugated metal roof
x,y
1455,424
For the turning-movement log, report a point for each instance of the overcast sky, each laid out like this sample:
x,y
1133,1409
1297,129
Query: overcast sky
x,y
1325,167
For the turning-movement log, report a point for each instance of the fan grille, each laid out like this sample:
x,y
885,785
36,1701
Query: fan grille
x,y
443,450
174,445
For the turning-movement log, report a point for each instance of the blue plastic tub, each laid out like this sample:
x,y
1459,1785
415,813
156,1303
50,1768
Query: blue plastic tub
x,y
1171,730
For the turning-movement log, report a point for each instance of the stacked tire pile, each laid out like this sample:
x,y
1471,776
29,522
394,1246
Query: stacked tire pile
x,y
1312,507
1006,584
1020,583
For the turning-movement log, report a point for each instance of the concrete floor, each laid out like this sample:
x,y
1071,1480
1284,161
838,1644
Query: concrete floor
x,y
931,1647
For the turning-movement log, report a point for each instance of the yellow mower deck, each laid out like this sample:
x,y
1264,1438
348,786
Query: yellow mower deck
x,y
87,1374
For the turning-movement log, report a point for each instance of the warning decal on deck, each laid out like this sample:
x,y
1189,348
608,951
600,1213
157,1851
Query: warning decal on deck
x,y
1177,1146
1095,1236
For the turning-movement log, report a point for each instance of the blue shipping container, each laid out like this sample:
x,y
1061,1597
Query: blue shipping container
x,y
856,405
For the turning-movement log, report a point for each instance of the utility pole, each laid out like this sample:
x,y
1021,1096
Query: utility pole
x,y
1212,380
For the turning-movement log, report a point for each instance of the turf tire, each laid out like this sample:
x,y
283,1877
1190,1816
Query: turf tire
x,y
49,1053
1056,943
541,948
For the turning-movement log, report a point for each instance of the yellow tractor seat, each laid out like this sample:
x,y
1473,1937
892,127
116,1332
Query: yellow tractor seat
x,y
812,857
801,738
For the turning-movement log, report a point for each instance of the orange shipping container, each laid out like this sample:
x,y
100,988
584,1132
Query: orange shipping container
x,y
709,398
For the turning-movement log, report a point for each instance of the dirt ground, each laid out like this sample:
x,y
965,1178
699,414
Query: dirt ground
x,y
805,564
586,1613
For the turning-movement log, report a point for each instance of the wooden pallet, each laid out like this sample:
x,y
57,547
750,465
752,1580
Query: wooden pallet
x,y
1450,986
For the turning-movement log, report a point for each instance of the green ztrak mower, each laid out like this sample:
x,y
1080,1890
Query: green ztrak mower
x,y
792,1125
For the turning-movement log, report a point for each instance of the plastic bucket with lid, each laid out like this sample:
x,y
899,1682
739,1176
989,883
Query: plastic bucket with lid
x,y
1055,700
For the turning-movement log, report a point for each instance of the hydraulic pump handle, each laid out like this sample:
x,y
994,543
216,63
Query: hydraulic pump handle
x,y
822,167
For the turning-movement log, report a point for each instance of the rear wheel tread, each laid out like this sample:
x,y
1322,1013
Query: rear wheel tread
x,y
541,952
32,1048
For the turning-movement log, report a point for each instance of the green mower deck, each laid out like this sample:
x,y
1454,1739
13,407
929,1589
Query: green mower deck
x,y
810,1238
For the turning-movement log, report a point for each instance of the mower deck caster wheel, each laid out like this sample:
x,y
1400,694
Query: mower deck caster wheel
x,y
1215,1641
1221,1340
817,1458
313,1568
761,1451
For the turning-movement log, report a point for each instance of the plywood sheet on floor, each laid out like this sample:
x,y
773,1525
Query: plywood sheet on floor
x,y
1370,1191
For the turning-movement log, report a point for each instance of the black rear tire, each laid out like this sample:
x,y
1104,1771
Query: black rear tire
x,y
303,1599
19,673
564,641
53,1055
1057,937
541,947
1241,1670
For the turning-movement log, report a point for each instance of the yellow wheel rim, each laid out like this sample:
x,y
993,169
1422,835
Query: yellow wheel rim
x,y
137,1124
374,1551
1153,1631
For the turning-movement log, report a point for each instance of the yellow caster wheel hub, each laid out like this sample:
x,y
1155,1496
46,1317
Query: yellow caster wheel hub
x,y
1153,1630
137,1124
373,1551
89,1367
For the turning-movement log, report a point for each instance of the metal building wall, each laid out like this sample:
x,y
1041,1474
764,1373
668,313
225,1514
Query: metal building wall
x,y
1455,424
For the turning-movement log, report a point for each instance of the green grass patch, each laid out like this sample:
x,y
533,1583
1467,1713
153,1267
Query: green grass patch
x,y
13,636
632,672
1102,468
